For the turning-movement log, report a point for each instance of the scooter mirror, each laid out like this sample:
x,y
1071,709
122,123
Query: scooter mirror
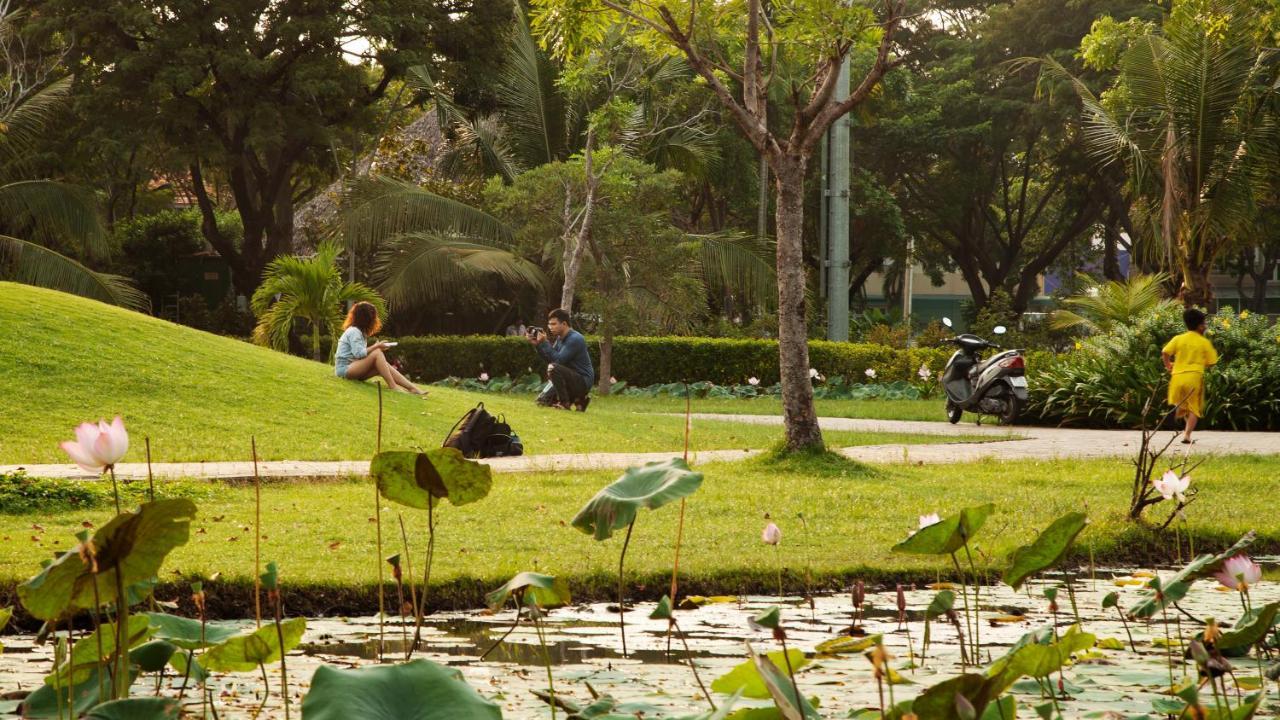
x,y
999,330
946,321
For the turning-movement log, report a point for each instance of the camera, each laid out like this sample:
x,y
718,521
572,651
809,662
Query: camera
x,y
533,331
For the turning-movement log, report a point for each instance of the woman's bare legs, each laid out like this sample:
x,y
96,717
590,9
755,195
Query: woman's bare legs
x,y
404,381
1191,425
375,364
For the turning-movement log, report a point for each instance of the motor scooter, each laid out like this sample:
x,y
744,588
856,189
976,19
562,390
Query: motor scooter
x,y
994,386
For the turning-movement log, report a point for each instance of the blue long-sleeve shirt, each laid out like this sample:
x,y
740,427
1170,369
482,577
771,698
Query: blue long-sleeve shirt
x,y
571,352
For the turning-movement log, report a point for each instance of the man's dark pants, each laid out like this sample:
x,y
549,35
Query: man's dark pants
x,y
567,386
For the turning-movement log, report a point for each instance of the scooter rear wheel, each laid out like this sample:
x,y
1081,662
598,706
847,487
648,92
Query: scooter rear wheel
x,y
954,413
1012,409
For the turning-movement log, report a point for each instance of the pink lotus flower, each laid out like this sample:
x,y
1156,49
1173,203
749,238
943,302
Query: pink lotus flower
x,y
1239,572
924,372
98,447
930,519
1172,485
871,373
772,535
753,381
484,377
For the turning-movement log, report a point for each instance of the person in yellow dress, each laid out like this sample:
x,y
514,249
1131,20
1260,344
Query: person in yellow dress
x,y
1186,357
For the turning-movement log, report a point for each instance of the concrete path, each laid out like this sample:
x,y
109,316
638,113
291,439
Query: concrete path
x,y
1004,444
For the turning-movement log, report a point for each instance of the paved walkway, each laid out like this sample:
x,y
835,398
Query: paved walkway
x,y
1005,444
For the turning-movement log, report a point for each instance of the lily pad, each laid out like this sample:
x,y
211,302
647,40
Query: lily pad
x,y
843,645
414,478
152,708
244,653
47,703
417,690
1166,592
93,649
1251,628
186,633
745,677
1046,550
135,544
948,535
648,486
535,589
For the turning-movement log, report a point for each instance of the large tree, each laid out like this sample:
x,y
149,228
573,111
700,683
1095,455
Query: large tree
x,y
255,94
796,51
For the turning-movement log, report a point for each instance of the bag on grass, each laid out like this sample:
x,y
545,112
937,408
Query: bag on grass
x,y
477,434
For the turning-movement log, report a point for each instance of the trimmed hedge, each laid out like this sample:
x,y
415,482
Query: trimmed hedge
x,y
641,361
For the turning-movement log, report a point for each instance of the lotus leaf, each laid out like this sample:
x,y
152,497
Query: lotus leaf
x,y
47,703
186,633
188,667
152,708
1006,708
949,535
537,590
652,485
785,694
152,656
662,611
134,544
5,615
85,656
1251,629
745,677
1038,660
417,690
841,645
942,602
767,619
1165,593
244,653
1046,550
413,478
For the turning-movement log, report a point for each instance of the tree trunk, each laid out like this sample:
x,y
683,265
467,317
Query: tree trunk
x,y
315,343
799,415
1197,291
1111,252
604,383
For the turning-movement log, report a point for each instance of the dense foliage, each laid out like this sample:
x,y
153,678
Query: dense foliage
x,y
1109,378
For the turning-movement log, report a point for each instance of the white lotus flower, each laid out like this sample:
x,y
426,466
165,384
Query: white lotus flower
x,y
930,519
753,381
924,372
1172,485
871,373
98,447
484,377
772,535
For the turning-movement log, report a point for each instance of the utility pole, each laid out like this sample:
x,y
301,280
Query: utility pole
x,y
907,281
837,225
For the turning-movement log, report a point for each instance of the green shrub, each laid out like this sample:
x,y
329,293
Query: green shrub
x,y
1109,378
22,494
643,361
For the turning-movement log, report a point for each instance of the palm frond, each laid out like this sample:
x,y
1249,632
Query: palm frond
x,y
26,262
22,125
481,146
55,209
738,264
1102,307
532,105
429,267
378,209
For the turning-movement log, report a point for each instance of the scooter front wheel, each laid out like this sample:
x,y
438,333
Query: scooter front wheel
x,y
954,413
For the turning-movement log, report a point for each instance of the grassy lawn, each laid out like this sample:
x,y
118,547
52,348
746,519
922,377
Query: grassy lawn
x,y
319,533
200,397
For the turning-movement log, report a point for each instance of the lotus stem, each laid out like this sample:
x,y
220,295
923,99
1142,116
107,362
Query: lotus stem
x,y
408,568
542,641
122,641
97,626
675,566
377,519
1125,621
977,604
151,482
404,630
257,534
622,610
58,651
786,656
115,489
426,572
266,689
964,593
502,639
1168,645
693,666
284,672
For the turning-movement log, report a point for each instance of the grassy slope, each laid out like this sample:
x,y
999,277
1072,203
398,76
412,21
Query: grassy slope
x,y
325,546
200,397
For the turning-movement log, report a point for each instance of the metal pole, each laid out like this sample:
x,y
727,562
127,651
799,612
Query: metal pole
x,y
838,225
907,281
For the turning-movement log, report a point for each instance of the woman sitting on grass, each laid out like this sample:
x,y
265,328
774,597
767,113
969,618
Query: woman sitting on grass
x,y
357,360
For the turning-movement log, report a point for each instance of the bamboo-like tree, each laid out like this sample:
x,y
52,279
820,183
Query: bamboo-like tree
x,y
310,289
36,211
1191,118
1103,306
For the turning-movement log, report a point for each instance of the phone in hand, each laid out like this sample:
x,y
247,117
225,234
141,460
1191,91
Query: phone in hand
x,y
390,344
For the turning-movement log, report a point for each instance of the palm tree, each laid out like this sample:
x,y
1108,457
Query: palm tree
x,y
310,289
1103,307
1189,116
34,211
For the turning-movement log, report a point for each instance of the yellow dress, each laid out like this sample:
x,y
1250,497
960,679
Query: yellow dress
x,y
1191,353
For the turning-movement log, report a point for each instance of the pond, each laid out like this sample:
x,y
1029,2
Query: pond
x,y
585,649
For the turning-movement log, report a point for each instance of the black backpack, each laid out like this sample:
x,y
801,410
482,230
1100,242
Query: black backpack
x,y
477,434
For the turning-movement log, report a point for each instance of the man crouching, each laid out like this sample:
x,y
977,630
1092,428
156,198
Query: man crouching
x,y
570,369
